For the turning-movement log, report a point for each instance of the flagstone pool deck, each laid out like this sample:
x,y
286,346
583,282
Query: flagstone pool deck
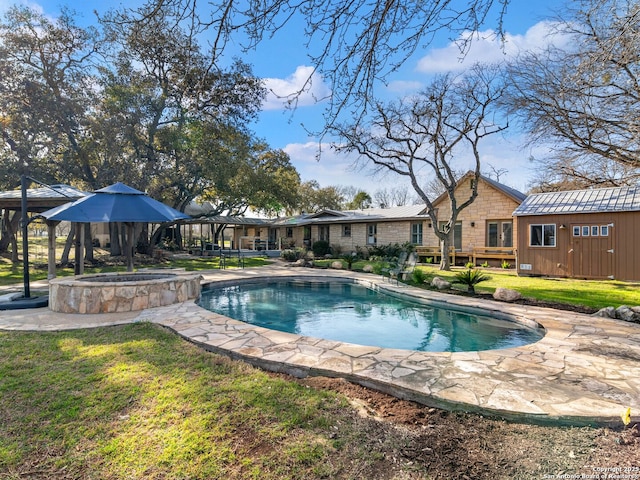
x,y
585,371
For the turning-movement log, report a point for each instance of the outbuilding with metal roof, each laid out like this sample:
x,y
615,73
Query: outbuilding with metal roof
x,y
589,234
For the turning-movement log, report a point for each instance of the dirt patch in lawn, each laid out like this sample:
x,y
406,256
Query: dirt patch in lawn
x,y
431,443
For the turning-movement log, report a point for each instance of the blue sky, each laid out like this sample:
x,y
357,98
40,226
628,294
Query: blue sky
x,y
283,63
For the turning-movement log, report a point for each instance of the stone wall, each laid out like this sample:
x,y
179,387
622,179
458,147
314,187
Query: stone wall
x,y
121,292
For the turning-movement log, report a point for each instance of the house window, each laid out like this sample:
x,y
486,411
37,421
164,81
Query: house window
x,y
542,235
289,232
323,233
416,233
604,230
306,236
372,233
346,230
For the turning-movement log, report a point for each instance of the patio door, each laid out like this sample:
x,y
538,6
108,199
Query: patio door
x,y
500,233
323,232
457,235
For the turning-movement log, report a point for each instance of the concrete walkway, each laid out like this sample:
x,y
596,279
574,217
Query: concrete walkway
x,y
585,370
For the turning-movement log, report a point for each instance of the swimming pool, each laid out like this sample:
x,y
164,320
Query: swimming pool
x,y
350,312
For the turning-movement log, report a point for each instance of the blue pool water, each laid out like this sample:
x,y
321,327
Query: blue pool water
x,y
352,313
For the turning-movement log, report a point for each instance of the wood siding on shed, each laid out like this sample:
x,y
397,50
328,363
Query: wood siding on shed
x,y
616,255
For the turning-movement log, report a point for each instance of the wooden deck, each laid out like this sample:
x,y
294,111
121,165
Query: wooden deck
x,y
476,254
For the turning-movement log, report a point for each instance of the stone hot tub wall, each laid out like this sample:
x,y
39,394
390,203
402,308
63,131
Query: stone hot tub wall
x,y
121,292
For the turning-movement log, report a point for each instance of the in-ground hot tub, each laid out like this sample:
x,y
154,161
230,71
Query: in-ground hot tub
x,y
121,292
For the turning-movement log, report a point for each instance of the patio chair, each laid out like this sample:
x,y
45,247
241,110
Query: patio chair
x,y
393,272
409,266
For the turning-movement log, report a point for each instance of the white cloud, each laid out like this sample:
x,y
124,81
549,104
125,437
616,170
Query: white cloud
x,y
304,87
486,47
404,86
331,168
6,4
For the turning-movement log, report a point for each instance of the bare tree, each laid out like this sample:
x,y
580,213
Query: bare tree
x,y
392,197
583,98
351,44
424,134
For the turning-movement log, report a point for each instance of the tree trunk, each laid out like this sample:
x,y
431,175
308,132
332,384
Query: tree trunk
x,y
88,244
115,247
67,247
8,231
142,238
445,244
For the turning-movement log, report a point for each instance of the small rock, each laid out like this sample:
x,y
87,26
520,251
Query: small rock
x,y
337,265
440,283
506,294
606,312
367,268
625,313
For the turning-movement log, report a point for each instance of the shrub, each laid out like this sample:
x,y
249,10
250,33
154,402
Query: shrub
x,y
505,264
471,277
469,265
321,248
349,258
484,264
429,260
418,276
291,255
336,249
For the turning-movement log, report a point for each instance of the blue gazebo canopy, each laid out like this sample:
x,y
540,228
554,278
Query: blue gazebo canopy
x,y
115,203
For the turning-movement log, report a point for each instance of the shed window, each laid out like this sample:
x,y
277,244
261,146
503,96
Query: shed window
x,y
542,235
604,230
594,230
576,231
585,231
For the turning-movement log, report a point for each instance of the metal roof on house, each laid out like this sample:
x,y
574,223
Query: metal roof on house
x,y
614,199
512,192
349,216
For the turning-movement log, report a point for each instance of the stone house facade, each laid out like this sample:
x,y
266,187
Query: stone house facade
x,y
487,222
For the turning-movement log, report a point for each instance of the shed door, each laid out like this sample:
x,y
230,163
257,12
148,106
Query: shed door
x,y
591,251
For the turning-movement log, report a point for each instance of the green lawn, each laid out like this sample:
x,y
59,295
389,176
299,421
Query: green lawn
x,y
590,293
139,402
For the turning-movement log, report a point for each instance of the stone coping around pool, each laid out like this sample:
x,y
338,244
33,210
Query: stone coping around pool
x,y
584,371
122,291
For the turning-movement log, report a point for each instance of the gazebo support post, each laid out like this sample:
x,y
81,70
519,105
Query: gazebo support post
x,y
79,266
24,221
129,247
51,251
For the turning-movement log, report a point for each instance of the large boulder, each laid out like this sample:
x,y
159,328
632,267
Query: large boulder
x,y
440,283
337,265
627,314
368,268
506,294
